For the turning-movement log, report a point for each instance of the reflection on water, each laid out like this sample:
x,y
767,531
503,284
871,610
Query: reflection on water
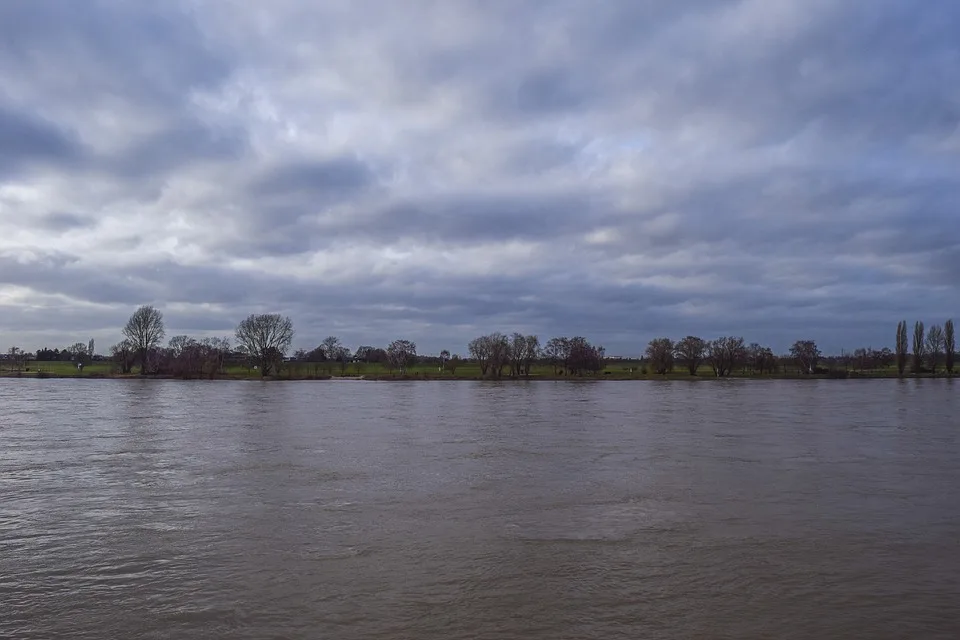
x,y
742,509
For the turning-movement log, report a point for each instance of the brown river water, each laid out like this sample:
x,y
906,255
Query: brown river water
x,y
541,510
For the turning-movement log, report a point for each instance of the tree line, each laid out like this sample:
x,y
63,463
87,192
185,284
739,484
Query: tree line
x,y
263,341
930,347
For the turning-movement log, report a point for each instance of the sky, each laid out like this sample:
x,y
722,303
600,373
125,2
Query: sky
x,y
440,169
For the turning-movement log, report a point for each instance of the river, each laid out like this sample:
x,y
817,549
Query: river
x,y
540,510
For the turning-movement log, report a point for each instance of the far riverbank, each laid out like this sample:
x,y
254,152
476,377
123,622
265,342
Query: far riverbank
x,y
421,377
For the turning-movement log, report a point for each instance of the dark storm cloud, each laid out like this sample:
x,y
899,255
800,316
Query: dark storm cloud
x,y
467,218
64,275
178,145
27,139
772,168
65,221
319,178
149,52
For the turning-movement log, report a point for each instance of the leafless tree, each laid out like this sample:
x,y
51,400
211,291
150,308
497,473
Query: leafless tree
x,y
901,347
492,352
334,351
145,331
660,354
444,358
90,347
266,339
883,358
499,353
724,354
585,357
691,351
217,351
344,358
530,353
517,349
187,358
480,351
806,354
178,344
761,358
402,354
935,342
123,354
523,351
919,346
17,358
331,347
949,345
78,353
453,363
557,353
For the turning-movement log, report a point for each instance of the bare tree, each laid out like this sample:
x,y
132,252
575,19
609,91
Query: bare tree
x,y
16,357
523,351
90,347
123,354
492,353
188,358
660,354
266,339
444,358
531,353
453,363
901,347
806,354
919,346
724,354
334,351
402,354
480,351
516,351
557,353
178,344
585,357
761,358
691,351
935,342
883,358
331,345
949,345
499,353
344,357
217,351
145,331
78,353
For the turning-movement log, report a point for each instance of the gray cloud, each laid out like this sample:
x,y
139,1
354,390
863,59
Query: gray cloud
x,y
26,139
772,168
65,221
320,178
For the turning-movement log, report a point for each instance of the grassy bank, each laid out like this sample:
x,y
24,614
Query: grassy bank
x,y
466,371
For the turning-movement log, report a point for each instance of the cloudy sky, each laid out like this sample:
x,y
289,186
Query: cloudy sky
x,y
438,169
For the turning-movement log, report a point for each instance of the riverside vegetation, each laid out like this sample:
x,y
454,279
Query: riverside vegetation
x,y
261,348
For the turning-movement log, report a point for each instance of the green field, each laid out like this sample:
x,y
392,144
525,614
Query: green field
x,y
617,370
62,368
